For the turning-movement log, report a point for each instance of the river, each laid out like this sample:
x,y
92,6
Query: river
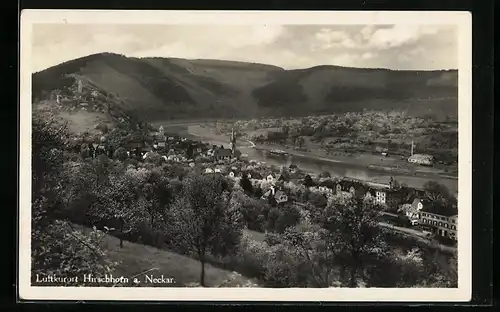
x,y
308,164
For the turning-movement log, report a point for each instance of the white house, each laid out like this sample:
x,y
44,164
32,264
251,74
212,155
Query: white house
x,y
217,170
422,159
325,190
270,178
380,196
209,170
280,197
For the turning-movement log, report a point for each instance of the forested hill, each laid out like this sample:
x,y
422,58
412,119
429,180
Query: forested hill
x,y
163,88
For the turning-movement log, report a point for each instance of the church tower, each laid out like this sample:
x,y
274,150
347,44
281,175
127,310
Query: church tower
x,y
233,141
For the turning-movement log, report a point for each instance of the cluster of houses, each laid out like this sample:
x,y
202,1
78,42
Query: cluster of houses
x,y
443,219
415,207
173,148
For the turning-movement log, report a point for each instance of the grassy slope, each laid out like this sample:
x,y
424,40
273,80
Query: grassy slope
x,y
136,258
161,88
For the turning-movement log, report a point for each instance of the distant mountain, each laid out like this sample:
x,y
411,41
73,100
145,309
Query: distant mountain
x,y
162,88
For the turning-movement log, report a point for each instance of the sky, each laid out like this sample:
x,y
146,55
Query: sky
x,y
400,46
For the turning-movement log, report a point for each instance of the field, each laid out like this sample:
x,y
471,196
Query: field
x,y
79,121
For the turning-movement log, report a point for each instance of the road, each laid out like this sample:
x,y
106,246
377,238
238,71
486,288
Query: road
x,y
418,235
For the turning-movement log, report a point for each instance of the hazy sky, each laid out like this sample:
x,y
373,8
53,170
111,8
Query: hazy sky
x,y
287,46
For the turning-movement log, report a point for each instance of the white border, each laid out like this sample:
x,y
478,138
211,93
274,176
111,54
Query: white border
x,y
463,20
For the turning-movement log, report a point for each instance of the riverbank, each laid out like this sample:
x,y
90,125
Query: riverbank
x,y
340,166
376,163
356,161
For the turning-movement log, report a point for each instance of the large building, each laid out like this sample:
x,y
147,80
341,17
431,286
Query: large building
x,y
384,193
422,159
444,219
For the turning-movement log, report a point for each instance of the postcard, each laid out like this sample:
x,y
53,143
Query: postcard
x,y
245,156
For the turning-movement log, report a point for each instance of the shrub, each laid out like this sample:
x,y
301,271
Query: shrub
x,y
289,216
120,154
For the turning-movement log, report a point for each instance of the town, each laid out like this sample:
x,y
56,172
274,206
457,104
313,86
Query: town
x,y
410,206
132,181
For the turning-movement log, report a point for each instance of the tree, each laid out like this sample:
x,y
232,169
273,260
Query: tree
x,y
103,127
120,154
308,181
154,158
56,247
302,256
325,174
258,192
159,194
300,141
353,223
190,151
121,202
246,184
286,129
438,193
48,141
288,217
252,211
205,218
318,200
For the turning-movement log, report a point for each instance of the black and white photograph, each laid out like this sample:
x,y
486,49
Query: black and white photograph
x,y
230,155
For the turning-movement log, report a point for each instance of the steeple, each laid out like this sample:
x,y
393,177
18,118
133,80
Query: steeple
x,y
233,141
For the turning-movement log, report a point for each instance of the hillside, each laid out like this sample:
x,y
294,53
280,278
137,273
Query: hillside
x,y
137,260
172,88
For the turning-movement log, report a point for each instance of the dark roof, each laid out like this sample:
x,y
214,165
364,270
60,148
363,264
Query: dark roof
x,y
278,194
438,209
330,183
282,177
292,166
223,152
415,202
348,183
256,175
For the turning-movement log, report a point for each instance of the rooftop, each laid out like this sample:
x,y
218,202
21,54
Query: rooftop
x,y
437,209
223,152
421,157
